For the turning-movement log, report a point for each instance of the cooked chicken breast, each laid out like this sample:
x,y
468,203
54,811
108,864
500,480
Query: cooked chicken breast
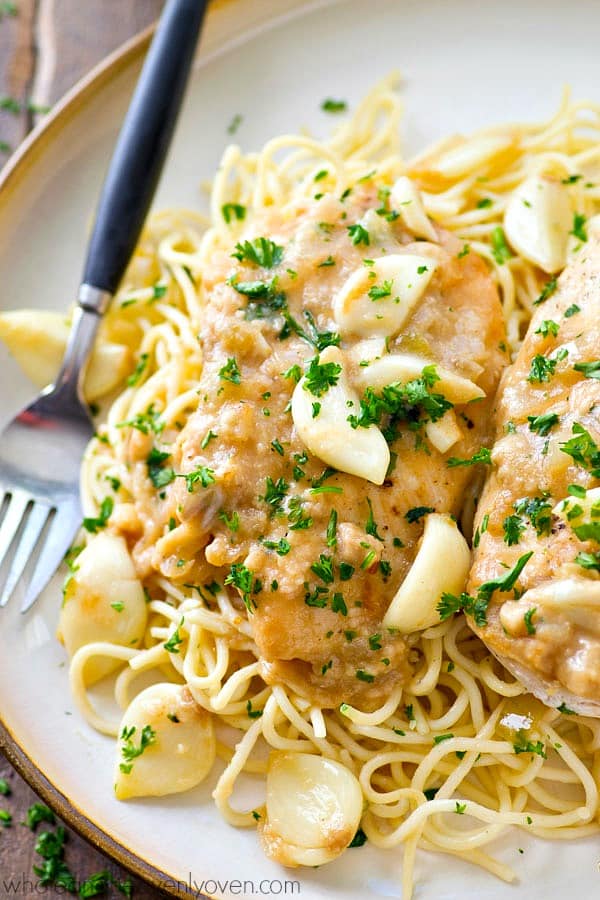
x,y
540,509
315,553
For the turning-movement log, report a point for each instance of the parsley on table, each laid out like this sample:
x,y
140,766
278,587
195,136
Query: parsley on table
x,y
4,788
321,376
53,870
94,523
259,252
542,424
37,813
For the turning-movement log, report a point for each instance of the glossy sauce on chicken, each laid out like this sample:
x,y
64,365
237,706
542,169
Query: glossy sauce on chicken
x,y
540,509
316,554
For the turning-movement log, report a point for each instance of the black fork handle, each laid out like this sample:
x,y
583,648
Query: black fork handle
x,y
141,148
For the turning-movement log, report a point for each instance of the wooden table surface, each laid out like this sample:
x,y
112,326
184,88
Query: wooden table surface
x,y
45,47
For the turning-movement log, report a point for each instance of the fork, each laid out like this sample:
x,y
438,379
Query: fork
x,y
41,449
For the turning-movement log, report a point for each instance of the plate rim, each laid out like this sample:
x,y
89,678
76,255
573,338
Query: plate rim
x,y
13,172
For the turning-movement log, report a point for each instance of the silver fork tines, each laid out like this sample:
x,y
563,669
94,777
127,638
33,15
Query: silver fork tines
x,y
40,456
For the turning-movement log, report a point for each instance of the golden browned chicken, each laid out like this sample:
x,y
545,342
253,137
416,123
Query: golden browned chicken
x,y
311,317
540,510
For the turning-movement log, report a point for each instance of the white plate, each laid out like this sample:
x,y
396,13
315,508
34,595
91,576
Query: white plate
x,y
465,64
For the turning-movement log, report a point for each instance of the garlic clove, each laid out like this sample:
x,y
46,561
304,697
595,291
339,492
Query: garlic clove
x,y
404,367
537,221
441,565
377,300
179,746
444,433
313,810
103,601
322,425
406,199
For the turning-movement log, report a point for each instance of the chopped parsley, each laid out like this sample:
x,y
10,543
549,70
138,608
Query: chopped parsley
x,y
332,529
329,105
439,738
589,369
330,261
542,424
39,813
476,607
547,291
243,579
159,474
371,526
172,645
539,512
572,310
259,252
129,751
583,449
528,619
321,376
413,402
230,371
359,234
530,747
139,370
323,569
359,839
548,326
500,249
93,524
379,291
564,709
231,522
579,230
275,492
542,369
483,455
513,527
233,211
588,560
417,513
365,676
202,475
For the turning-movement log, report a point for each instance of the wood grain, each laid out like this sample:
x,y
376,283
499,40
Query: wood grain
x,y
44,49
